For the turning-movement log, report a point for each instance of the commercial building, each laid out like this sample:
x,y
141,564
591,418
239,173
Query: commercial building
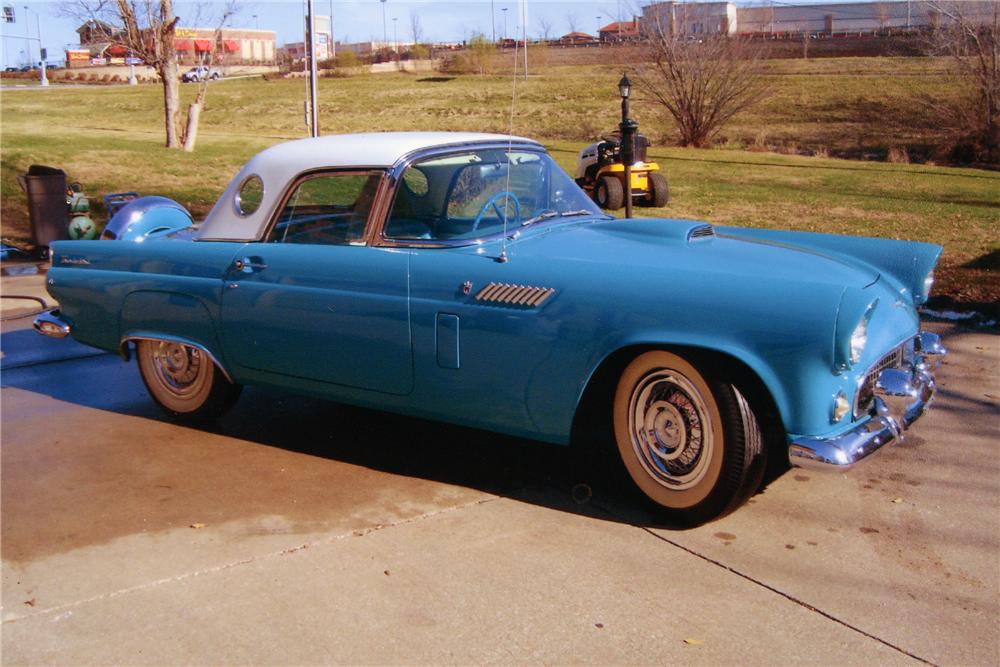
x,y
104,44
778,18
323,44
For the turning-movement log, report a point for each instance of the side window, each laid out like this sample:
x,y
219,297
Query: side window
x,y
327,209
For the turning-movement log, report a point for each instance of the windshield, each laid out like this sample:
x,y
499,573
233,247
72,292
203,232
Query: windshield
x,y
480,193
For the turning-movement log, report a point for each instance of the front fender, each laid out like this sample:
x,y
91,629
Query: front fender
x,y
905,262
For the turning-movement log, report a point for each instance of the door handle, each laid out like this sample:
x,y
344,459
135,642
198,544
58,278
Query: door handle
x,y
247,265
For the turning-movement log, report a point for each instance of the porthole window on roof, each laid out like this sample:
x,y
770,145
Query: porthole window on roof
x,y
249,196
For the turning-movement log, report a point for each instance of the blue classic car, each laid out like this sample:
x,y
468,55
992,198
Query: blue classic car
x,y
466,278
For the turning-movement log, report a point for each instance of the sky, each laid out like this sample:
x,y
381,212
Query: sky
x,y
354,20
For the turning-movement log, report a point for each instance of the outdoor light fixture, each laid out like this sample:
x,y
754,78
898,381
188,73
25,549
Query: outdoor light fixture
x,y
625,86
628,129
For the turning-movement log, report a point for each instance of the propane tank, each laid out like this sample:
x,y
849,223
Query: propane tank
x,y
82,228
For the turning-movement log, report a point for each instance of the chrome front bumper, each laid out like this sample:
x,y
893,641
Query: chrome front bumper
x,y
902,395
50,323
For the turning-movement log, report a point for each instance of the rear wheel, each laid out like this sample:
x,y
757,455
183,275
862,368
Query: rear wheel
x,y
659,192
691,443
184,381
609,193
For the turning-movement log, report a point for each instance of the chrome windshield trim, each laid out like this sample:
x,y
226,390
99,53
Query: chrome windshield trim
x,y
395,174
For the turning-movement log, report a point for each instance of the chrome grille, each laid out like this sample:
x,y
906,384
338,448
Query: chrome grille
x,y
866,389
514,295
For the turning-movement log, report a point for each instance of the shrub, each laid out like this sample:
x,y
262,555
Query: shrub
x,y
346,59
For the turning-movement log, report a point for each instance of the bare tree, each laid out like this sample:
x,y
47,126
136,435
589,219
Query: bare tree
x,y
571,22
146,28
416,29
702,81
545,28
883,13
969,34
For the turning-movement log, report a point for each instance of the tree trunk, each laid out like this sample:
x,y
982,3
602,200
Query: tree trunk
x,y
191,133
171,102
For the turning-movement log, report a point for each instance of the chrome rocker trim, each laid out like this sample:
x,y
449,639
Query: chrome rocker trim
x,y
51,324
902,395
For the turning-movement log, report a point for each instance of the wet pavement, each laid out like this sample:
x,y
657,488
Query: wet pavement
x,y
299,531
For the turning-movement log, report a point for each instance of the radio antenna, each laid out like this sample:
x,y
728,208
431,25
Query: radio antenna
x,y
510,143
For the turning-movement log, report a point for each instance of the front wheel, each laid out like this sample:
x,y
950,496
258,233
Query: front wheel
x,y
184,381
691,443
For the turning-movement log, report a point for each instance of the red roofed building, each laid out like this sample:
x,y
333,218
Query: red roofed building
x,y
621,31
577,38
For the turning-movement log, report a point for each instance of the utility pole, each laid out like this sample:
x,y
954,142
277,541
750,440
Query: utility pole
x,y
504,10
333,44
524,34
493,21
385,37
311,54
43,80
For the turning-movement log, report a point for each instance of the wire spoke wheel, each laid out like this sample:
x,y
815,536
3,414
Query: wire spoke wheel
x,y
670,429
689,441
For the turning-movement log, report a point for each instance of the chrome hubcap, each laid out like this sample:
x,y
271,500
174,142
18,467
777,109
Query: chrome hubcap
x,y
178,366
670,429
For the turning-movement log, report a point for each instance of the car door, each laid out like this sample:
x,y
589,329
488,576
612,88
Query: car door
x,y
312,301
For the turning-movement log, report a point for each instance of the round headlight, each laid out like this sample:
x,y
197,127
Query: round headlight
x,y
859,338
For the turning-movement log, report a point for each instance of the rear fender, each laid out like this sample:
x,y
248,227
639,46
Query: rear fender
x,y
170,316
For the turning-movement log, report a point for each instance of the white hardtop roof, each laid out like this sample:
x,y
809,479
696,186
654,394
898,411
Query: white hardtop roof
x,y
277,165
370,149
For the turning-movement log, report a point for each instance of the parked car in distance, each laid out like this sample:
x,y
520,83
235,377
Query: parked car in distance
x,y
201,73
467,278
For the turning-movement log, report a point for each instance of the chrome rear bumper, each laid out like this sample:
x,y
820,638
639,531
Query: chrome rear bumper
x,y
50,323
902,395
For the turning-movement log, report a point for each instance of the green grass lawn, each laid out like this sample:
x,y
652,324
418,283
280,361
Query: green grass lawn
x,y
110,139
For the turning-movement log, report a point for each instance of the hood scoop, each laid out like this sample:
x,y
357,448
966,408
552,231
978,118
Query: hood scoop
x,y
701,233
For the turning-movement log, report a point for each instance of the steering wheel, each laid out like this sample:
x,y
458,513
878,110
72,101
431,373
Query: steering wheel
x,y
493,202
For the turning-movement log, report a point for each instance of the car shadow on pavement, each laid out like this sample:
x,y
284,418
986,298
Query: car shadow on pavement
x,y
566,479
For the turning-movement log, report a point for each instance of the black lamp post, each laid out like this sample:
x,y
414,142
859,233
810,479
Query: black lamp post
x,y
628,129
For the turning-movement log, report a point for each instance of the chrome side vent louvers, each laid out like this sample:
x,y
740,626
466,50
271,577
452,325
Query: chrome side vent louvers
x,y
702,232
514,295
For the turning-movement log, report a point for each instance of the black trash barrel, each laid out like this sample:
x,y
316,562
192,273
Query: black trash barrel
x,y
47,207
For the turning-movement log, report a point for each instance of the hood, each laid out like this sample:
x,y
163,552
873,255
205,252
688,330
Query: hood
x,y
686,245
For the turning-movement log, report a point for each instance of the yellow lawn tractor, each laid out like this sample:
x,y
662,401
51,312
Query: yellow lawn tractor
x,y
601,173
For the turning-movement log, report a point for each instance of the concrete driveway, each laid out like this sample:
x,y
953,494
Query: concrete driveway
x,y
298,531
